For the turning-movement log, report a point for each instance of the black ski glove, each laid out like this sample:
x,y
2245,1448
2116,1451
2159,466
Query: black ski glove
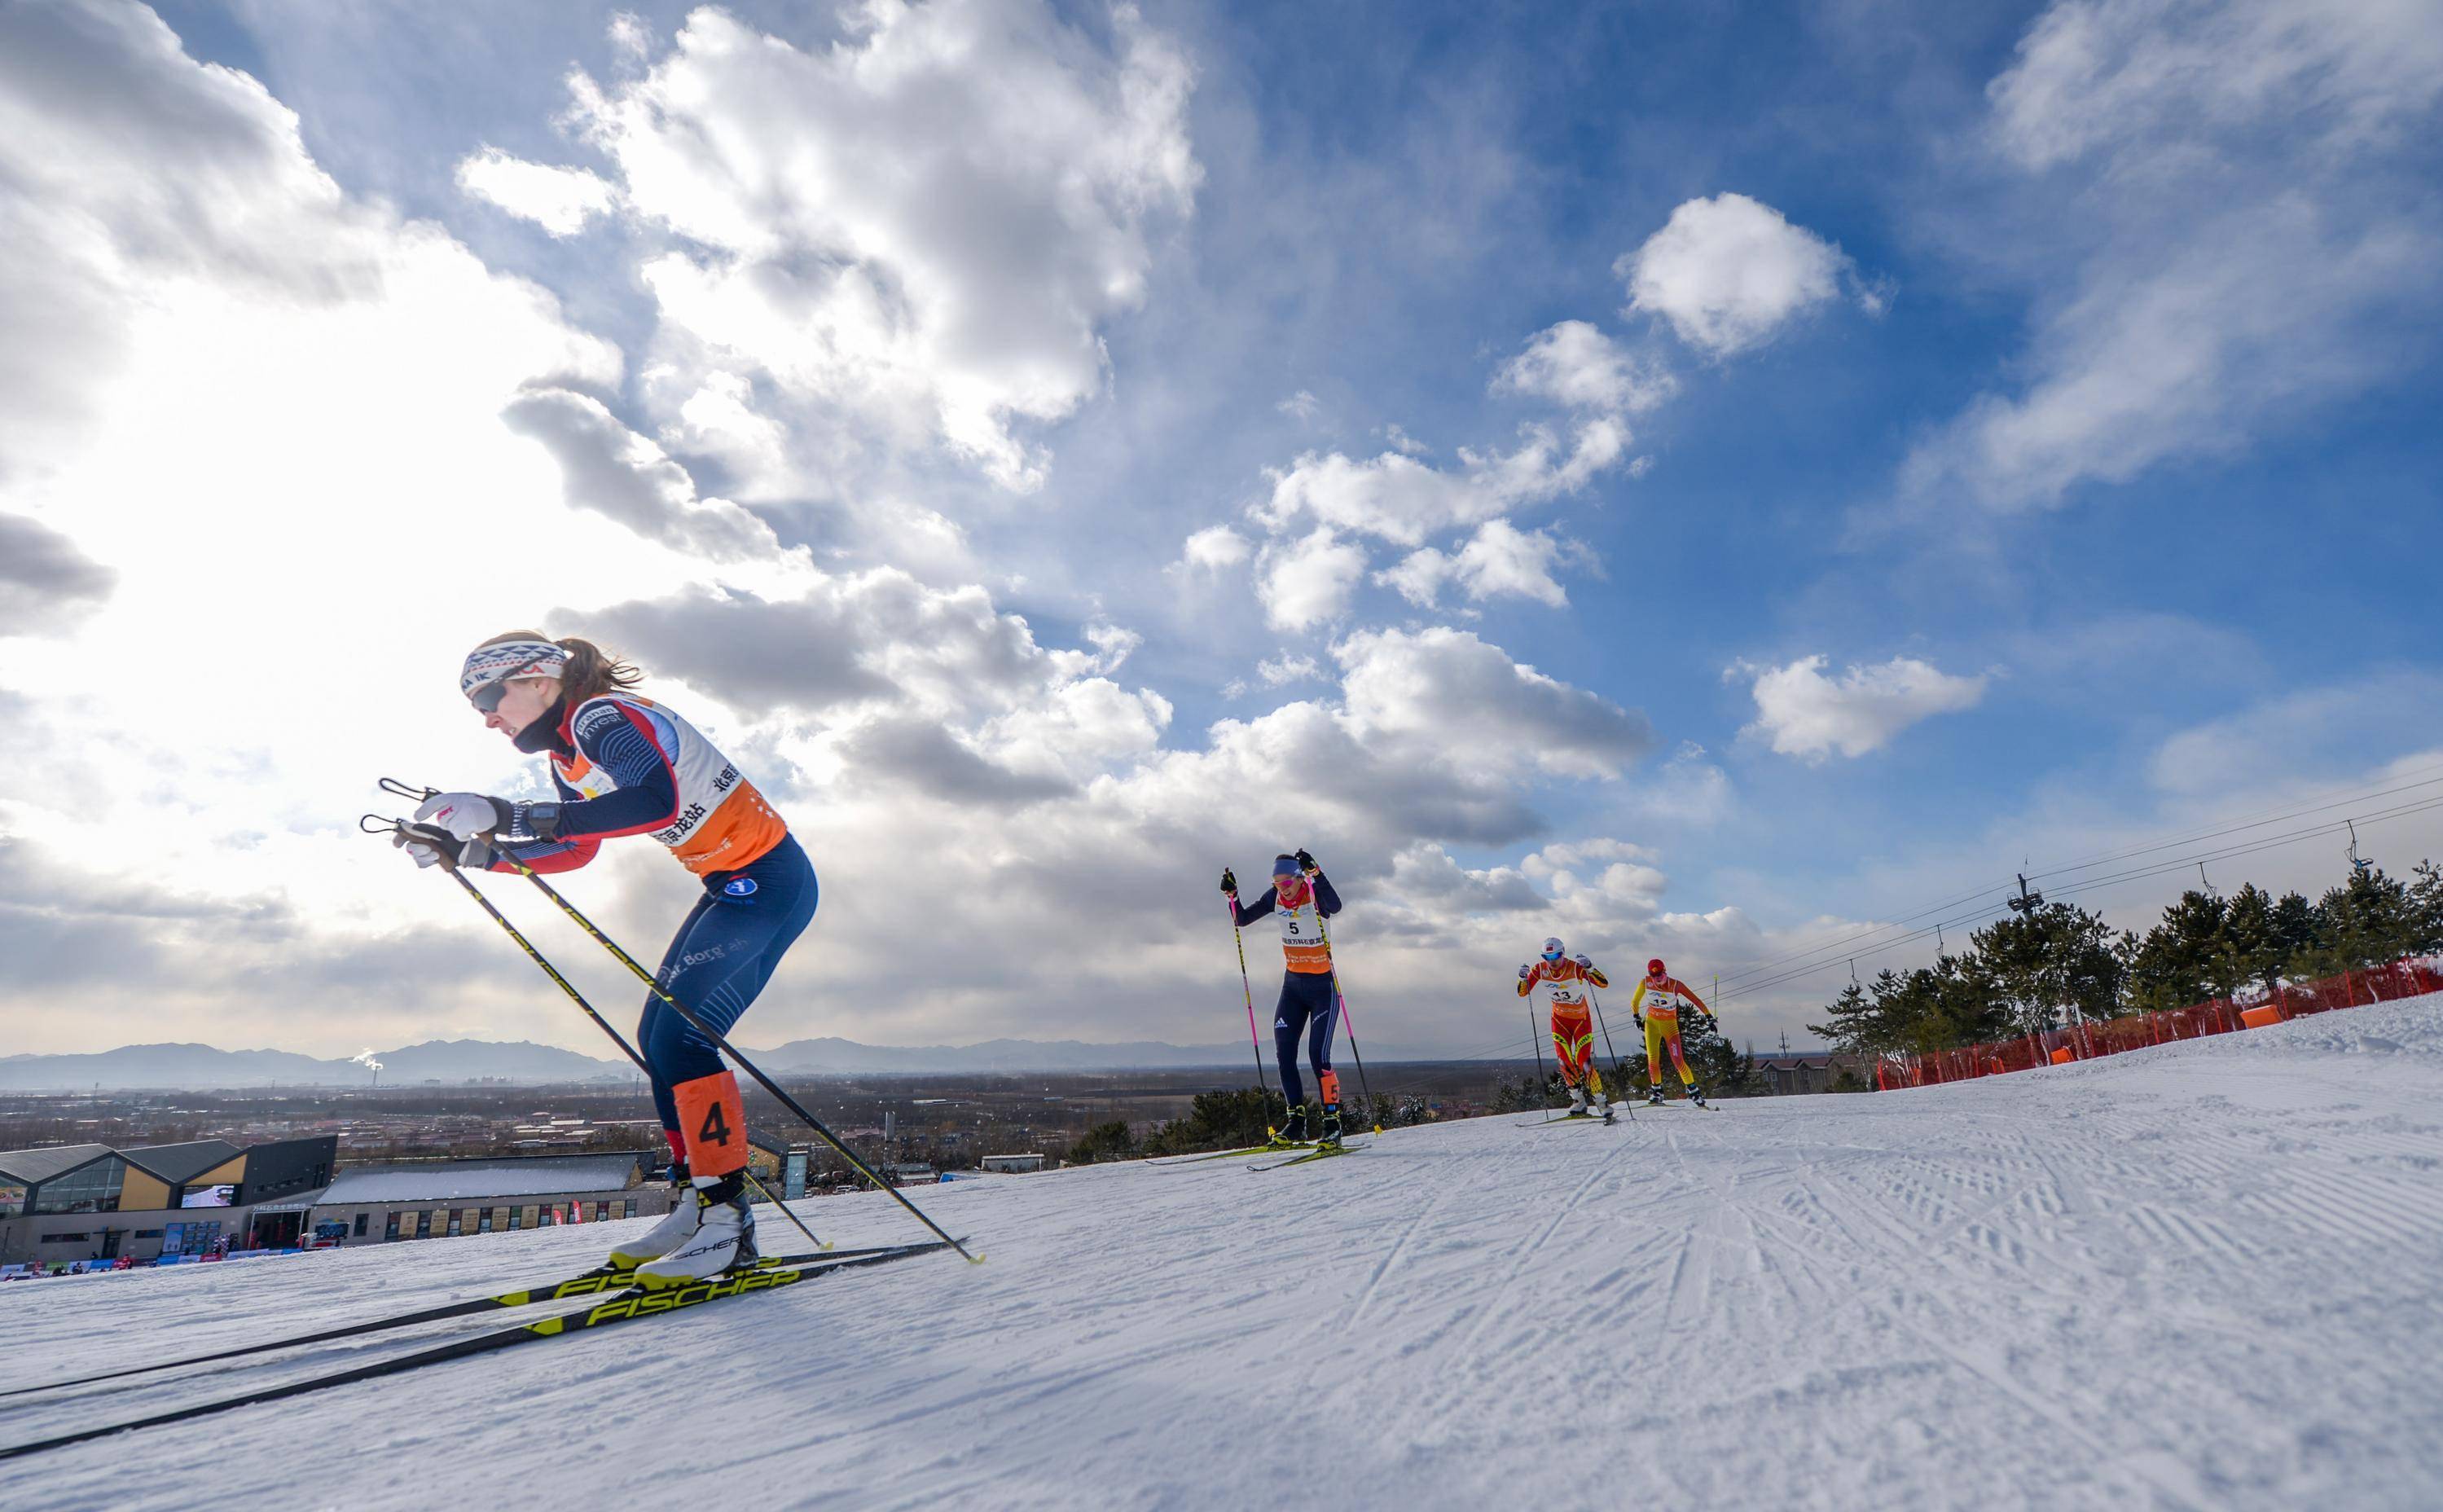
x,y
1306,863
1229,882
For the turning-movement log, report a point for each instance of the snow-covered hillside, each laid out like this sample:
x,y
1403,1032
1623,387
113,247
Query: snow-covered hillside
x,y
2201,1276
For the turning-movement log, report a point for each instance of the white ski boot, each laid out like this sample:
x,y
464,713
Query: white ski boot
x,y
1654,1094
677,1226
724,1238
1603,1107
1697,1095
1577,1103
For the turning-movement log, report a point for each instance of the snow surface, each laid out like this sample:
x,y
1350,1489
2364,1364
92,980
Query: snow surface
x,y
2197,1276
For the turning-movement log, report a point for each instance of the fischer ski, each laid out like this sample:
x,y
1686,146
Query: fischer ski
x,y
1273,1148
623,1306
1323,1152
586,1284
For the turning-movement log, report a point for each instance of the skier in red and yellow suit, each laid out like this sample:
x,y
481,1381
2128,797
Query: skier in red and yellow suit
x,y
1573,1032
1660,996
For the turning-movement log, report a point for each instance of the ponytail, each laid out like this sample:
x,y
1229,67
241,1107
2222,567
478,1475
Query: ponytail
x,y
593,672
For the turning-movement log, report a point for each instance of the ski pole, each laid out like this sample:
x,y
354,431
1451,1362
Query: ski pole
x,y
1610,1050
393,826
779,1093
1253,1043
1536,1042
1341,1000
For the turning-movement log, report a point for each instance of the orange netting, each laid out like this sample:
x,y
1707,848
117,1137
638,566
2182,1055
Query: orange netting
x,y
2407,978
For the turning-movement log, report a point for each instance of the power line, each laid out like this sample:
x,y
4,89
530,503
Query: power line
x,y
2135,873
2214,830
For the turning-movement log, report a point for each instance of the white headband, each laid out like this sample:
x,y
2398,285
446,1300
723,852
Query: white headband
x,y
486,665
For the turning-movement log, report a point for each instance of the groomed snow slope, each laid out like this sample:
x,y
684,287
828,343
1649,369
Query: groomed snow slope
x,y
2200,1276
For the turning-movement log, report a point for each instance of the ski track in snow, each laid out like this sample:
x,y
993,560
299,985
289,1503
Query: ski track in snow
x,y
2196,1277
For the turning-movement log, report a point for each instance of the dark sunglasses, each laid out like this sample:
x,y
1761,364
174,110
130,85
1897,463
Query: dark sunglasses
x,y
487,697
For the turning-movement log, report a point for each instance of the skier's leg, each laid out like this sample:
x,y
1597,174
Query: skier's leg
x,y
1289,1022
1321,1022
719,964
652,1025
1687,1078
1653,1036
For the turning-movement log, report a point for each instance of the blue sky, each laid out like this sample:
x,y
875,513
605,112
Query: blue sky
x,y
1910,442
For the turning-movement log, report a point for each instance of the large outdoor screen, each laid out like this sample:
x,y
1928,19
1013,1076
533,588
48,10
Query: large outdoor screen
x,y
216,1196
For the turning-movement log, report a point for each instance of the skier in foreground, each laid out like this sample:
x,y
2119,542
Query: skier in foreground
x,y
1661,995
1573,1032
1303,897
625,765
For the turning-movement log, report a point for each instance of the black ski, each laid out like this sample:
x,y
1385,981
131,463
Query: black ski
x,y
1274,1148
621,1307
1320,1153
590,1283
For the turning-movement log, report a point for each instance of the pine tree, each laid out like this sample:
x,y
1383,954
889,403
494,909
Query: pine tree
x,y
1850,1024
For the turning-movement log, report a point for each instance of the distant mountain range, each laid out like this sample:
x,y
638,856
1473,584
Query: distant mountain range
x,y
201,1067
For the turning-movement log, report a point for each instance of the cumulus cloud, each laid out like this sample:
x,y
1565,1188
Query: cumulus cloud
x,y
1308,579
922,226
1443,690
2244,233
1215,548
1803,712
1278,672
1575,364
561,200
46,582
1498,559
607,468
1399,499
1729,273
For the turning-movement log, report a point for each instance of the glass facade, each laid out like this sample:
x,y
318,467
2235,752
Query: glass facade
x,y
91,1189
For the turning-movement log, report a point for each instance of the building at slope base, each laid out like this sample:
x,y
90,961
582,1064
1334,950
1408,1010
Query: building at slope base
x,y
68,1203
438,1199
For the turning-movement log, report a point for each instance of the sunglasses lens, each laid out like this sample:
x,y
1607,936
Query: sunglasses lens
x,y
487,697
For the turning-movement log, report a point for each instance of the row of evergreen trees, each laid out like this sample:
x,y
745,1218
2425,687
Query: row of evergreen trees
x,y
2024,974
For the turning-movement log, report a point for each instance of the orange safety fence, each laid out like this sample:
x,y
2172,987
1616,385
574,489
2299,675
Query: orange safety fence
x,y
2407,978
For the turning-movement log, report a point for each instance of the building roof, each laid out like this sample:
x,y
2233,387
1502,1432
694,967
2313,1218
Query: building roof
x,y
30,1165
453,1180
178,1164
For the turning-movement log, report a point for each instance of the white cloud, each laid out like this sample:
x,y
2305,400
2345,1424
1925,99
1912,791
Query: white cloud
x,y
1805,713
2239,233
1395,497
1498,559
1278,672
561,200
1308,579
1215,548
1463,699
920,228
1577,365
1729,273
1301,405
607,468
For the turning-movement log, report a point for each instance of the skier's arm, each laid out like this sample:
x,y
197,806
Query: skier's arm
x,y
1327,901
1681,988
1248,913
1635,998
646,797
548,855
1526,979
1594,974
